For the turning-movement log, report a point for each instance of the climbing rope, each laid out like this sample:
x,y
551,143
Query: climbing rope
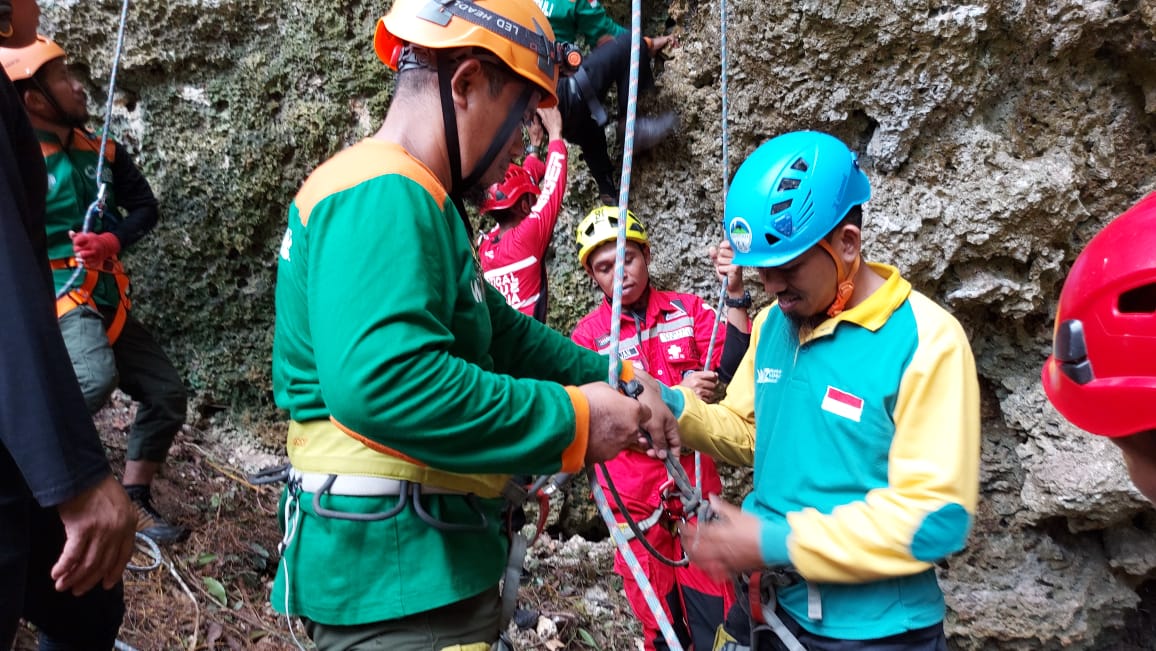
x,y
726,168
97,206
620,541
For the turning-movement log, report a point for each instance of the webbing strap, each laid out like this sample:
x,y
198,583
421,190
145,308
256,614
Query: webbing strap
x,y
589,96
82,295
439,12
512,578
761,601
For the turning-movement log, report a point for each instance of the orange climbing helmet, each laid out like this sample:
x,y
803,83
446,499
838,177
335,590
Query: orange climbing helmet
x,y
515,31
518,182
1101,375
24,62
601,226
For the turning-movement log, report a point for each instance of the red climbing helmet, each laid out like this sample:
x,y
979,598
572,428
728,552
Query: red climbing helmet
x,y
518,182
1101,374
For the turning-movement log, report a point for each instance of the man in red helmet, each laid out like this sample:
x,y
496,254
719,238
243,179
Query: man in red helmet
x,y
66,525
415,391
526,206
1101,375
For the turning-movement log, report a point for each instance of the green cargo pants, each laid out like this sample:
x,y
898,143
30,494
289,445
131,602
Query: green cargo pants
x,y
135,363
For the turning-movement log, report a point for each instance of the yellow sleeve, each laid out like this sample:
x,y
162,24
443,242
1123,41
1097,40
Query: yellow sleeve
x,y
725,430
925,512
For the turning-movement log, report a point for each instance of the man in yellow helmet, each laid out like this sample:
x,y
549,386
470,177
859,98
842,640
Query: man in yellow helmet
x,y
413,388
668,334
66,525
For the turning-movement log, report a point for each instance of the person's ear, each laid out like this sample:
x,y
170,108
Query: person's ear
x,y
468,77
35,101
848,243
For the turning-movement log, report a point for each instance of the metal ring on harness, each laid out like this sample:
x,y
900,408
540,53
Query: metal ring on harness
x,y
402,496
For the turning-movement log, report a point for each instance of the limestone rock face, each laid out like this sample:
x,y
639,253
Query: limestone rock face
x,y
999,136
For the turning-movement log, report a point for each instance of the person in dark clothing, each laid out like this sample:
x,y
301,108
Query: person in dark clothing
x,y
66,525
606,64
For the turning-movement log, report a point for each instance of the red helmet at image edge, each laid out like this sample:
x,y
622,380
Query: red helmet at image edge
x,y
509,191
1101,375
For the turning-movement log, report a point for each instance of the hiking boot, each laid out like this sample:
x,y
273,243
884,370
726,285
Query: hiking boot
x,y
650,131
149,522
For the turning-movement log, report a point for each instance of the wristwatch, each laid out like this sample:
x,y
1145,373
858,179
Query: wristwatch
x,y
745,301
533,149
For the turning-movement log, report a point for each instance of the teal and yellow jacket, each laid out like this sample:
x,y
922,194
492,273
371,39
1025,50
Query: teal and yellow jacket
x,y
395,359
865,442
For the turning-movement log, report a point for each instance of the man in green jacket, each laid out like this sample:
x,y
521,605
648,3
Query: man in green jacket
x,y
107,345
413,388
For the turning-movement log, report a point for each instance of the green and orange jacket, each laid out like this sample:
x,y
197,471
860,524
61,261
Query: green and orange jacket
x,y
130,205
573,18
393,357
865,440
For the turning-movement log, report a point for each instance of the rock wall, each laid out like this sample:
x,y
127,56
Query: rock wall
x,y
999,137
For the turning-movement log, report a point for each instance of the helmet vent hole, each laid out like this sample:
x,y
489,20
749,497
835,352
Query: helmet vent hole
x,y
1141,300
780,207
799,165
788,184
772,239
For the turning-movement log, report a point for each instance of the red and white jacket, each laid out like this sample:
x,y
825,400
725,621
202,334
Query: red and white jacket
x,y
670,340
514,261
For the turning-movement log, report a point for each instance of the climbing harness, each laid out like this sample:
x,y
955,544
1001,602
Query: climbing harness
x,y
73,298
96,208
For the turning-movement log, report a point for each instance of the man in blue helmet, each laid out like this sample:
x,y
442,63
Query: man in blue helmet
x,y
862,396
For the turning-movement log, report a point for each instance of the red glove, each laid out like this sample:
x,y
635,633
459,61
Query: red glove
x,y
94,248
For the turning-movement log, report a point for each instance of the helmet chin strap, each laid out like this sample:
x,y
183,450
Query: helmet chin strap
x,y
62,118
846,283
458,185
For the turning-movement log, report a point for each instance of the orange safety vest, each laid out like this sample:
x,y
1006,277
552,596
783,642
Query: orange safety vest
x,y
83,295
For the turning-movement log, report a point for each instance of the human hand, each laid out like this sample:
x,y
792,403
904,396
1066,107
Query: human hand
x,y
536,131
727,545
703,383
551,119
94,248
659,44
615,420
722,256
662,425
99,529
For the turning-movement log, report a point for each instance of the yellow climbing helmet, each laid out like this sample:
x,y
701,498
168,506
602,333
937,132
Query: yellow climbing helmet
x,y
601,226
23,62
515,31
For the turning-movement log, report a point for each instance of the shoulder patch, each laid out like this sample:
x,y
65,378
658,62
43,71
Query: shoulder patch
x,y
365,160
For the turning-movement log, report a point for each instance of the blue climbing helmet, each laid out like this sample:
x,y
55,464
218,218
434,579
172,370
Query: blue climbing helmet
x,y
790,193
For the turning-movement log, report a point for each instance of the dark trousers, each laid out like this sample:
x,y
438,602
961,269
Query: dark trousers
x,y
31,539
138,365
605,66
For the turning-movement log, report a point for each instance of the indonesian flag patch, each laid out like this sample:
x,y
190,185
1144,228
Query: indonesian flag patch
x,y
843,404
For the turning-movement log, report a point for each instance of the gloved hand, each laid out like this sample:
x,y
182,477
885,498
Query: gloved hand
x,y
94,248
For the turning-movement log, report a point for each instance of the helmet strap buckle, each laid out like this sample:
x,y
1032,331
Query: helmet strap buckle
x,y
845,285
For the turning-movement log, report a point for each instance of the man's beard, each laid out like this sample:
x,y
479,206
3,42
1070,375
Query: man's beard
x,y
803,326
